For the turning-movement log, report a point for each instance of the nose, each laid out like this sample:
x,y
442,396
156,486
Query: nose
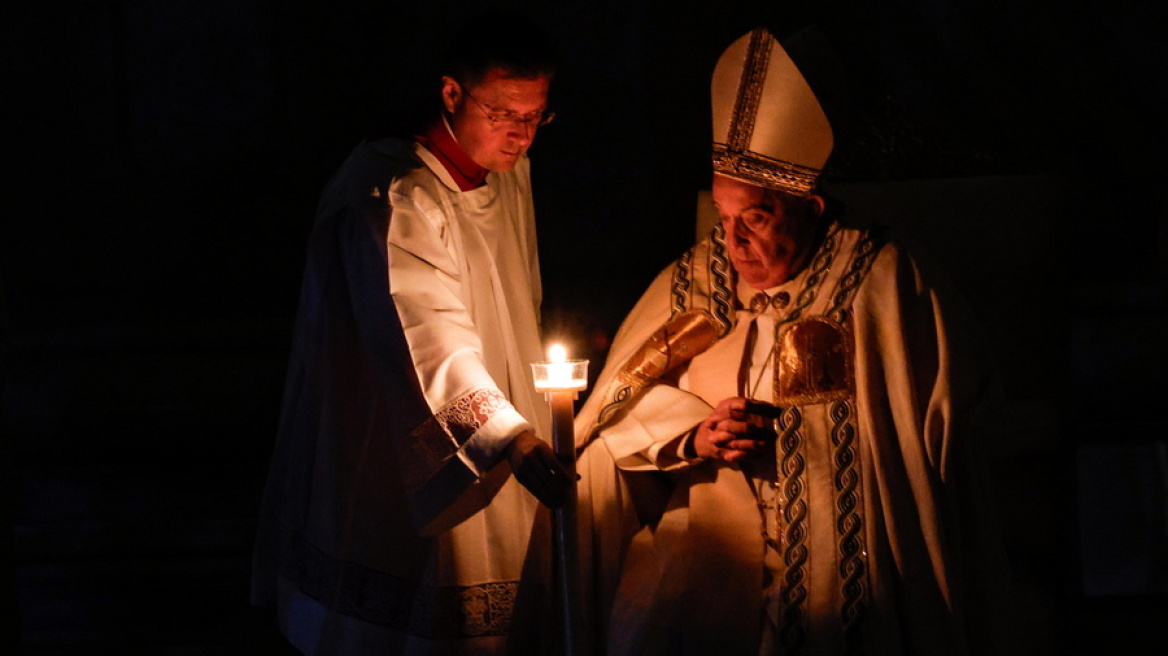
x,y
736,231
522,133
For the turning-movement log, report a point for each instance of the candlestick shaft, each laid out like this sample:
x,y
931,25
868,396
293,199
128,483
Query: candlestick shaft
x,y
563,434
564,525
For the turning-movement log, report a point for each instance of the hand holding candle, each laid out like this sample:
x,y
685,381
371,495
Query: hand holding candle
x,y
549,473
538,469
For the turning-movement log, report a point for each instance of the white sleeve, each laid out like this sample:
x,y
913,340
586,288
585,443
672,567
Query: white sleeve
x,y
650,432
425,278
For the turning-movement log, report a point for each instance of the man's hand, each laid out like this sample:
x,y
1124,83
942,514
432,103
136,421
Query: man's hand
x,y
539,470
728,433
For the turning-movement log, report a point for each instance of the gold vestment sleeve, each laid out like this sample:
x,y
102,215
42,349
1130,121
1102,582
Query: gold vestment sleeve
x,y
676,342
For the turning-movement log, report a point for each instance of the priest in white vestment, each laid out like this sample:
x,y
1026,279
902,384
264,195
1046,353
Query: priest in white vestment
x,y
392,523
782,454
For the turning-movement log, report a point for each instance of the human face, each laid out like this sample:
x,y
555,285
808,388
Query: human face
x,y
495,146
768,246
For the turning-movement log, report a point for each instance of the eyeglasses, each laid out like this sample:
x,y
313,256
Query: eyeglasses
x,y
498,116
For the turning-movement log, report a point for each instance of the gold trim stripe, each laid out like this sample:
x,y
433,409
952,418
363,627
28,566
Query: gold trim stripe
x,y
763,171
758,56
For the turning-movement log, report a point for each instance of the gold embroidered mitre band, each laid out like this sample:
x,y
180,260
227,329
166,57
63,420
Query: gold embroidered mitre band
x,y
769,128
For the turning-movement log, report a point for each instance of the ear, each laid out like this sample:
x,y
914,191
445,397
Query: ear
x,y
451,93
817,204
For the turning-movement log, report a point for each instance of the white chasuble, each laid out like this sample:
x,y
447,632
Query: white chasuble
x,y
864,530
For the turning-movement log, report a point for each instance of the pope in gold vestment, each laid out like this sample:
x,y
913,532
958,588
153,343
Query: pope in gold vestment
x,y
865,529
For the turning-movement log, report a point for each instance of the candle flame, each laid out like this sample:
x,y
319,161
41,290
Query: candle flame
x,y
557,353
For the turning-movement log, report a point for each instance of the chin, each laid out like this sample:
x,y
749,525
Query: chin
x,y
504,165
764,280
752,273
756,281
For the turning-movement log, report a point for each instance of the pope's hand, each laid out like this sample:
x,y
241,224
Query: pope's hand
x,y
539,470
728,433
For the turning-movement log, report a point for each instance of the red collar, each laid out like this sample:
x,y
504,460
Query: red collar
x,y
440,142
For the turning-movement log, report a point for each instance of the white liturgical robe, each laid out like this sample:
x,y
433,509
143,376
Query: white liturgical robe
x,y
391,522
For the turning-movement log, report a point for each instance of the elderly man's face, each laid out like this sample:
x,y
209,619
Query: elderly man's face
x,y
767,245
514,102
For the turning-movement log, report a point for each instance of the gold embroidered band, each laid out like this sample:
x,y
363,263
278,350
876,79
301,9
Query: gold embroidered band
x,y
675,343
764,171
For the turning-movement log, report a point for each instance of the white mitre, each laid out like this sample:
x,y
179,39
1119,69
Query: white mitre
x,y
769,127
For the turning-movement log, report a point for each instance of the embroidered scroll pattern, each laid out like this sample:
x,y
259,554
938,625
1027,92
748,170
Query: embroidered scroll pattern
x,y
792,505
682,282
849,525
849,517
791,501
431,612
619,398
863,257
722,283
819,269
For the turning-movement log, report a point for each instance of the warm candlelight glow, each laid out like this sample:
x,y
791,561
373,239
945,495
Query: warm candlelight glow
x,y
560,373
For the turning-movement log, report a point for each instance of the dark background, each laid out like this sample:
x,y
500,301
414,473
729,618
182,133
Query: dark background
x,y
164,160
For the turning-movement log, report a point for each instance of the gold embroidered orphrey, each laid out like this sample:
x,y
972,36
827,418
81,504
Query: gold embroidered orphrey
x,y
814,363
675,343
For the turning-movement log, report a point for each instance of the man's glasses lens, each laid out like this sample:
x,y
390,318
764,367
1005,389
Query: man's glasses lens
x,y
495,116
